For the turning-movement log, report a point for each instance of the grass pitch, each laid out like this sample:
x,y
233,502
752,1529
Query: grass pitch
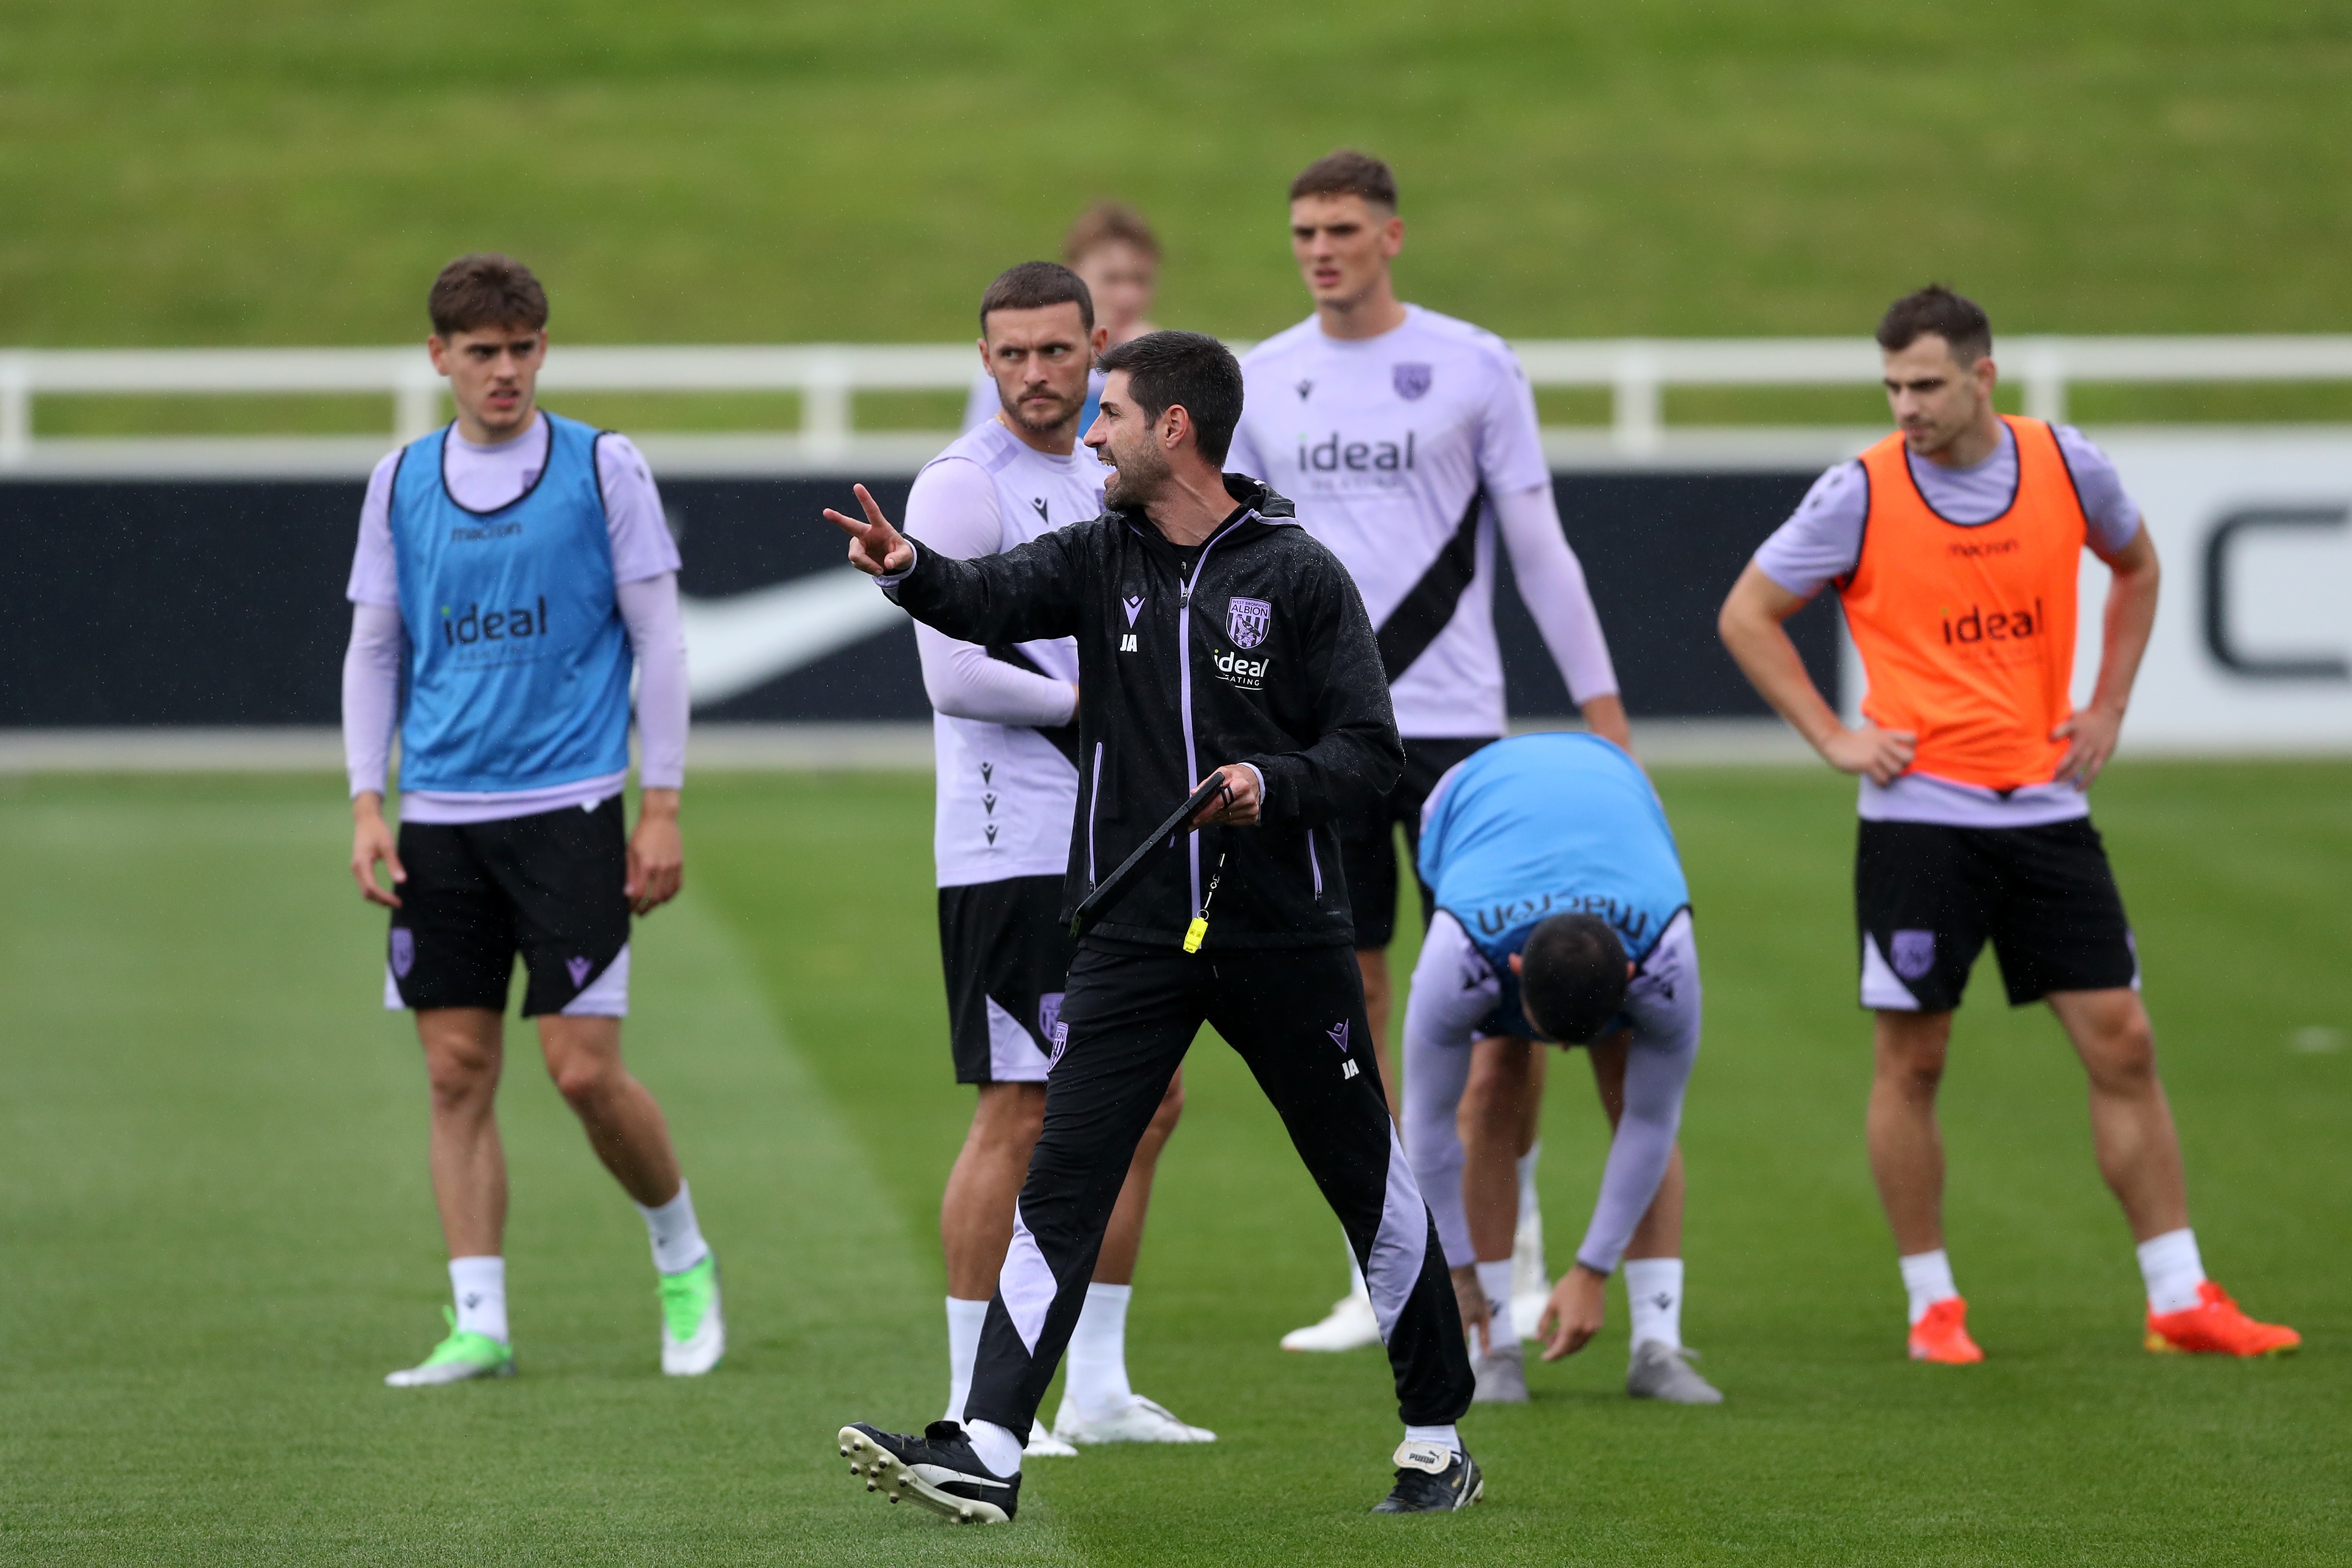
x,y
293,171
216,1232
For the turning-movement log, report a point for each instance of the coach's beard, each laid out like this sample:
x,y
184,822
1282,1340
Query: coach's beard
x,y
1136,479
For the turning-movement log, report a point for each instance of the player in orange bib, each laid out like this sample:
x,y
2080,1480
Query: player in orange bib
x,y
1954,547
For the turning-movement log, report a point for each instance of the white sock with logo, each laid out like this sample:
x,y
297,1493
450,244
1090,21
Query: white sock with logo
x,y
1529,1205
1495,1279
1444,1436
1654,1292
1097,1356
677,1239
2173,1270
1928,1277
964,1319
479,1284
999,1450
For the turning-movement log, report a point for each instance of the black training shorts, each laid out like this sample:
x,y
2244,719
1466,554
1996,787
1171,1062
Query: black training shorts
x,y
1927,897
1005,951
1368,838
550,887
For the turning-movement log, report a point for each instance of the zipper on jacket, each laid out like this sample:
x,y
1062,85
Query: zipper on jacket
x,y
1094,807
1184,692
1315,865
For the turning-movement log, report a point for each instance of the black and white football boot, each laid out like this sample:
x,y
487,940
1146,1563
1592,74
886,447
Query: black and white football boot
x,y
1432,1478
937,1470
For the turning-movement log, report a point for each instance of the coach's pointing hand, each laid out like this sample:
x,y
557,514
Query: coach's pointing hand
x,y
876,548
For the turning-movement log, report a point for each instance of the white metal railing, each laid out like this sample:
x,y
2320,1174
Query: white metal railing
x,y
828,376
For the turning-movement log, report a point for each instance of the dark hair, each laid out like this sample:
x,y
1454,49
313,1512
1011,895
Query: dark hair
x,y
1191,370
1108,223
1033,286
1955,317
1572,977
1348,172
485,290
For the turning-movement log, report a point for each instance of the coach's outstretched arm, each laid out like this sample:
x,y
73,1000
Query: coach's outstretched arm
x,y
1751,627
1024,594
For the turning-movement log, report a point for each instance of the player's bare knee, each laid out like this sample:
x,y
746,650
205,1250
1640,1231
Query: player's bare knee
x,y
1009,1117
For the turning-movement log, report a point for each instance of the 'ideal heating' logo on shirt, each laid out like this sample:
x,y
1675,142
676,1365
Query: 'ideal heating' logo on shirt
x,y
475,624
1238,669
1976,626
1335,453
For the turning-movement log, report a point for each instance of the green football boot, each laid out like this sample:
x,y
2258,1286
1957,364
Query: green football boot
x,y
694,1334
463,1355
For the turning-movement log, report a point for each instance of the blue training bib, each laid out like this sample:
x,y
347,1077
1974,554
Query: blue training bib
x,y
1547,824
518,664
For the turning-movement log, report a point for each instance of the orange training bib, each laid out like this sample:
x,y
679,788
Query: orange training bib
x,y
1966,634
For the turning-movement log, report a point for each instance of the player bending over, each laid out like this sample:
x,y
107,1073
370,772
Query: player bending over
x,y
509,567
1561,915
1408,441
1955,547
1215,640
1008,783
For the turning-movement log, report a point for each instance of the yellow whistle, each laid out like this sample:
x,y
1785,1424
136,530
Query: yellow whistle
x,y
1195,932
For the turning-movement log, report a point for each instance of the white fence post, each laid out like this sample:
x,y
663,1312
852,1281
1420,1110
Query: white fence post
x,y
2045,382
825,408
415,401
16,410
1638,404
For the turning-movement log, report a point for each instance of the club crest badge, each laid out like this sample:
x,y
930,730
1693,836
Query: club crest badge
x,y
1914,954
1049,1013
1410,381
1247,620
404,952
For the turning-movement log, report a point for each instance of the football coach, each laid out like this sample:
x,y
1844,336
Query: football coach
x,y
1215,637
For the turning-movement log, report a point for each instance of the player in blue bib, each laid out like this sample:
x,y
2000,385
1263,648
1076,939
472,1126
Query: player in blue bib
x,y
514,570
1563,916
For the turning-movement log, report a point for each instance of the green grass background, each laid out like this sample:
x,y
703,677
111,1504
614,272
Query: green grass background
x,y
216,1232
293,171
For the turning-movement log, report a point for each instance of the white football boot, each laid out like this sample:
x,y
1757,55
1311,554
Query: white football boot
x,y
1349,1327
1139,1420
1044,1445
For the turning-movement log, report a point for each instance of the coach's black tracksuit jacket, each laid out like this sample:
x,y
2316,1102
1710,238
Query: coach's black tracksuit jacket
x,y
1251,647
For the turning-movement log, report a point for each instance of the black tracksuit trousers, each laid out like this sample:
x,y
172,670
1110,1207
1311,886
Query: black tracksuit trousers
x,y
1296,1016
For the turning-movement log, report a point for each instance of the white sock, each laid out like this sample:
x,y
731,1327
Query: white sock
x,y
1356,1286
2173,1270
1444,1435
479,1285
1654,1290
1494,1278
998,1449
678,1240
1097,1356
964,1319
1927,1276
1529,1204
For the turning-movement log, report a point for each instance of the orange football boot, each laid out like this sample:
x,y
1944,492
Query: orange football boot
x,y
1943,1335
2216,1326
